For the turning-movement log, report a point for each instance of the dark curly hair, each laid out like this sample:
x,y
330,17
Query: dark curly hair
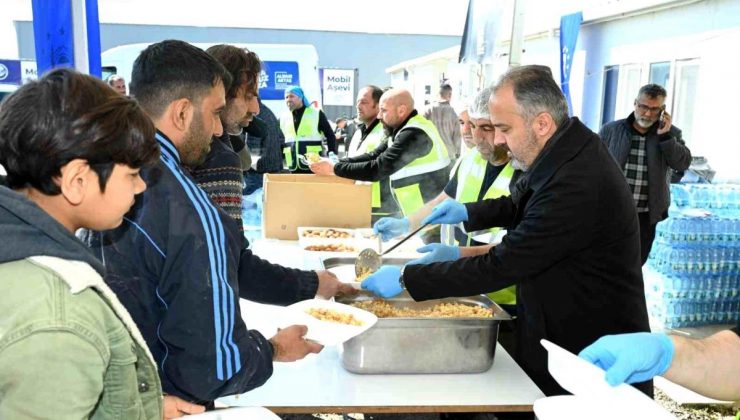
x,y
243,65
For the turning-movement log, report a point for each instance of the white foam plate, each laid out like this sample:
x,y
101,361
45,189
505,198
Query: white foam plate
x,y
252,413
592,396
346,274
326,332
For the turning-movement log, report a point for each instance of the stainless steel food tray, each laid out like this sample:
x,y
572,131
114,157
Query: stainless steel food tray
x,y
424,345
337,261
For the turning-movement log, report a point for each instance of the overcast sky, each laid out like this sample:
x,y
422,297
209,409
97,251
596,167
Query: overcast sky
x,y
437,17
376,16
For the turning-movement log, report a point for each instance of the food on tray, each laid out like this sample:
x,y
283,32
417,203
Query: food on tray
x,y
326,233
334,316
383,309
330,248
368,234
313,157
364,273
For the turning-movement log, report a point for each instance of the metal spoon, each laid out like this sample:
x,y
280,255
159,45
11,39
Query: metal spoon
x,y
369,261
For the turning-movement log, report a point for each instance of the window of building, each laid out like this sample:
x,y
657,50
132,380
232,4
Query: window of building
x,y
687,77
629,83
611,78
679,77
660,73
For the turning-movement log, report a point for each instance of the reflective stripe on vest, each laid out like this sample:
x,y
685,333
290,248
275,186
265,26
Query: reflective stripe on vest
x,y
500,188
472,172
308,128
409,198
436,159
307,139
470,178
372,141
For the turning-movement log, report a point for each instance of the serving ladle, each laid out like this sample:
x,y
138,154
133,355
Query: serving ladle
x,y
368,261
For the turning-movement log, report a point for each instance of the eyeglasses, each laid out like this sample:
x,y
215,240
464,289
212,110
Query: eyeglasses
x,y
652,109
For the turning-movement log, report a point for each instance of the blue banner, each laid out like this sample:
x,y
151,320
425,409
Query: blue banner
x,y
54,35
276,76
569,27
10,72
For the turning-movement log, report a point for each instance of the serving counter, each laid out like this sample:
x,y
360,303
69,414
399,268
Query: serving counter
x,y
319,384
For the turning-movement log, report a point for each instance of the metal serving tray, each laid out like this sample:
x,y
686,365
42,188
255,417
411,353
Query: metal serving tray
x,y
424,345
339,261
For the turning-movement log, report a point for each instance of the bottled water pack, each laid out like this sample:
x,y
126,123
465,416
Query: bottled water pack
x,y
693,273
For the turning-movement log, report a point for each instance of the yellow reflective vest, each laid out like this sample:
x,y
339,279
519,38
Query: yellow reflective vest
x,y
470,175
359,147
307,139
409,197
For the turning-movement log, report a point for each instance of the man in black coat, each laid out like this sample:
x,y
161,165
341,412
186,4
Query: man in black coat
x,y
572,246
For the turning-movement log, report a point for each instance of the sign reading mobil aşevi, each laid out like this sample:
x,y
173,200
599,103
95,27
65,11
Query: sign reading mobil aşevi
x,y
276,76
338,86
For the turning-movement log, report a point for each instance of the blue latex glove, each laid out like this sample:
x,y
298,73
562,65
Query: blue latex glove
x,y
384,282
437,253
632,357
390,227
448,212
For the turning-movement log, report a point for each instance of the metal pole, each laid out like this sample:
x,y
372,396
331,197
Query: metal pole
x,y
517,35
79,35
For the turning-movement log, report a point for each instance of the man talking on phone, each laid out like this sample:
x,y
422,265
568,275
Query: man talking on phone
x,y
647,147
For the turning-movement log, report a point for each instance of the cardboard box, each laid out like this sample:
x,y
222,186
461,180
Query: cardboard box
x,y
292,200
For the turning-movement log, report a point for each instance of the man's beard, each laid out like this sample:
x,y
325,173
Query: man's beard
x,y
644,123
530,148
196,145
387,129
234,129
517,165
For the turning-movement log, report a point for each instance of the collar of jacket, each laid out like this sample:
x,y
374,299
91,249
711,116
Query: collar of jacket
x,y
78,275
32,231
566,142
364,128
166,147
406,121
298,113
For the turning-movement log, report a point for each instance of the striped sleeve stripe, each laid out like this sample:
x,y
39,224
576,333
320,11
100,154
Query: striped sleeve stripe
x,y
227,301
228,360
222,310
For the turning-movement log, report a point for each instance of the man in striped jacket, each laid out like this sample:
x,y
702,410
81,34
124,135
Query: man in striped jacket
x,y
178,262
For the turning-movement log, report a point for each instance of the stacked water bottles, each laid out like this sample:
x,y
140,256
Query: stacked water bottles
x,y
693,273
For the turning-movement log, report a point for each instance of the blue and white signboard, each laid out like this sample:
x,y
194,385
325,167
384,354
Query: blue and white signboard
x,y
10,72
276,76
569,27
337,86
17,72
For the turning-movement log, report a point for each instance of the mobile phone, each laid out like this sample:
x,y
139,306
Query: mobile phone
x,y
661,123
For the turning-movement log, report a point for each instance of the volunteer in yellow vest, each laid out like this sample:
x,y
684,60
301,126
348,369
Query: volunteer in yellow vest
x,y
368,137
305,129
480,174
414,158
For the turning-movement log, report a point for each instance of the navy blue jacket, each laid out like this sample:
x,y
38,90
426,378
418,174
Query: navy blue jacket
x,y
178,264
